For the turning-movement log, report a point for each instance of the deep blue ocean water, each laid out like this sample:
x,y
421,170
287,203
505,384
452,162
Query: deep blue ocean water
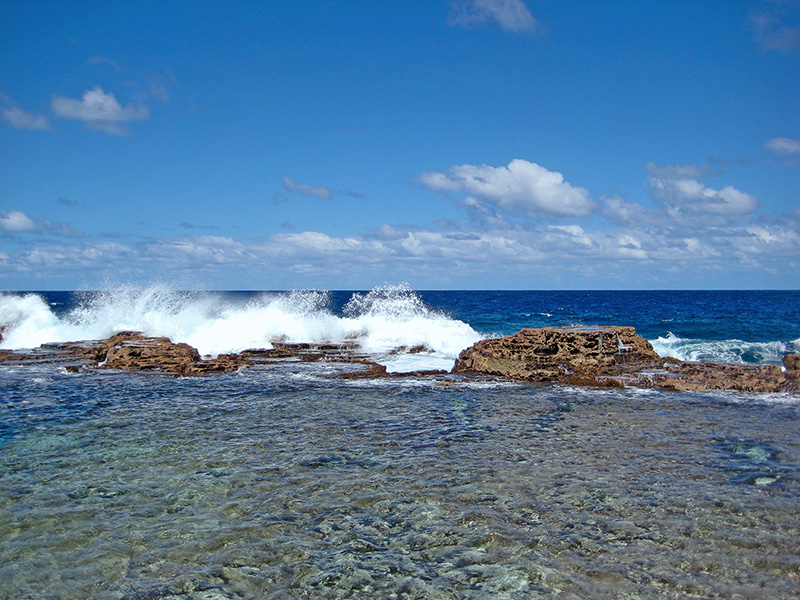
x,y
286,481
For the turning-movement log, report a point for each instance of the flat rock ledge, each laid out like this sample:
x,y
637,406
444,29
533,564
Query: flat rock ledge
x,y
134,351
614,356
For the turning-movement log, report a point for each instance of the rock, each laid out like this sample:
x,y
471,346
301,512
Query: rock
x,y
606,356
612,356
792,364
134,351
558,353
720,376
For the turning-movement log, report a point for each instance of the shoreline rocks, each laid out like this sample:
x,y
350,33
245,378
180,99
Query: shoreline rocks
x,y
135,352
613,356
602,356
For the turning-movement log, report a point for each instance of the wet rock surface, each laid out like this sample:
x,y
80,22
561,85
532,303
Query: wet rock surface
x,y
133,351
613,356
603,356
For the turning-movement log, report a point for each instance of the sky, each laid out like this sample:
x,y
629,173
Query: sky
x,y
464,144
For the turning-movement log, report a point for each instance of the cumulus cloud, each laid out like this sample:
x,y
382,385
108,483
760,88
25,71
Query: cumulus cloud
x,y
783,146
623,212
520,188
681,192
99,111
15,220
510,15
624,255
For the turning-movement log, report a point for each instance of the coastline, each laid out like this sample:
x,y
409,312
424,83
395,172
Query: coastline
x,y
568,355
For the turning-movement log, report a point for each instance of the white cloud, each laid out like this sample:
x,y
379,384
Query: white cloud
x,y
522,187
575,232
20,119
316,191
630,213
762,239
99,111
460,255
510,15
680,171
683,194
783,146
15,220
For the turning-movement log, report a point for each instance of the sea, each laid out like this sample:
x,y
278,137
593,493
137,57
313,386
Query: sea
x,y
290,480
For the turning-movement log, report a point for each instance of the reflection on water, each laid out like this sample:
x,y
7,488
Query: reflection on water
x,y
278,483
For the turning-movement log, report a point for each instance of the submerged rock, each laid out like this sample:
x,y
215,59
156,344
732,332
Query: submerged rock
x,y
612,356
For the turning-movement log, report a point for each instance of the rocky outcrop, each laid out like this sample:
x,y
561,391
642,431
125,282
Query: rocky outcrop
x,y
612,357
134,351
583,355
608,356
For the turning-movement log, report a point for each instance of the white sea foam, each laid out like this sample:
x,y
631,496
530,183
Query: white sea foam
x,y
380,322
735,351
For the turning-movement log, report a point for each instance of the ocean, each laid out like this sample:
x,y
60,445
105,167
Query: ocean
x,y
285,480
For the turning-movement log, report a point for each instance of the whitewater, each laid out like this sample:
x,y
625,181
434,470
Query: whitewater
x,y
390,321
384,322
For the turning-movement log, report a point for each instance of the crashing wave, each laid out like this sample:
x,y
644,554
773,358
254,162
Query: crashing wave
x,y
381,322
733,351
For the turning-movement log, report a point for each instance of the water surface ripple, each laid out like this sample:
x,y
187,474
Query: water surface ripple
x,y
279,482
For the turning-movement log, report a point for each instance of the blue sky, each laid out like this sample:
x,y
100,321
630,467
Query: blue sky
x,y
471,144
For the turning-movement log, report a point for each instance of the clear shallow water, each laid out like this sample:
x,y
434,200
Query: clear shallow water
x,y
282,481
279,482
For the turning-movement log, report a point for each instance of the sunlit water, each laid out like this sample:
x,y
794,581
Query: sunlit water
x,y
283,482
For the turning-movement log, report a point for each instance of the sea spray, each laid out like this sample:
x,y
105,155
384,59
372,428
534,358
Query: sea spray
x,y
26,321
298,316
396,316
391,318
382,321
734,351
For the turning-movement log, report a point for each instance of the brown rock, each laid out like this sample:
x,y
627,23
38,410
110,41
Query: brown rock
x,y
139,353
610,356
792,364
558,353
720,376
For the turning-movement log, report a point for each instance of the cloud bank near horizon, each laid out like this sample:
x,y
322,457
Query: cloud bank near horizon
x,y
716,230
